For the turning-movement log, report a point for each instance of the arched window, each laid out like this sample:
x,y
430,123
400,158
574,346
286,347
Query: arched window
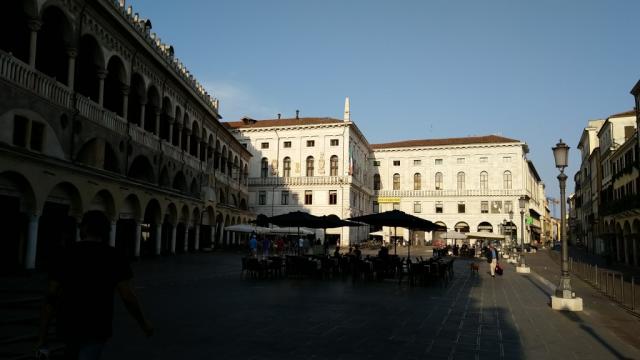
x,y
438,181
264,167
310,166
484,180
376,182
506,179
396,181
460,180
286,167
333,166
417,181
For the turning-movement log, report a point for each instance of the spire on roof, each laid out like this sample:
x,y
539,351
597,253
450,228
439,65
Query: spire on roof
x,y
347,110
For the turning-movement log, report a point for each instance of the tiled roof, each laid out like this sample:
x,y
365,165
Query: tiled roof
x,y
250,123
489,139
624,114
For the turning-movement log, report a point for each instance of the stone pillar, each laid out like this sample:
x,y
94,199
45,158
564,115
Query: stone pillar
x,y
143,106
173,238
102,74
32,241
179,136
197,145
125,100
186,238
78,230
626,249
34,26
618,249
158,239
171,122
634,239
137,239
112,234
188,137
203,150
197,238
157,113
72,53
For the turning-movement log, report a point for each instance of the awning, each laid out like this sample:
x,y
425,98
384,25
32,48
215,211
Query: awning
x,y
485,235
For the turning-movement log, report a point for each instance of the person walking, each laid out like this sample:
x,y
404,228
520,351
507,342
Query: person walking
x,y
253,245
82,282
492,259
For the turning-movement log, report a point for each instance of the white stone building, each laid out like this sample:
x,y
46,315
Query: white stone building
x,y
466,184
316,164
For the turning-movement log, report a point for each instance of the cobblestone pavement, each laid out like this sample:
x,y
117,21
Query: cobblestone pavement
x,y
203,309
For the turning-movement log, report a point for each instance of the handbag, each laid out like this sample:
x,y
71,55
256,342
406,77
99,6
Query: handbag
x,y
498,269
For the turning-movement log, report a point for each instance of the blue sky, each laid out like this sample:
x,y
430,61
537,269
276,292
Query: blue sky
x,y
530,70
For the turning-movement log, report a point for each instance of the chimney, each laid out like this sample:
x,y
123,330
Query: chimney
x,y
279,115
297,114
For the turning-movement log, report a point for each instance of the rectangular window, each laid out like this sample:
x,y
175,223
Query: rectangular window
x,y
20,124
262,198
396,206
508,207
438,162
417,206
376,207
311,143
496,207
335,142
308,197
396,162
461,207
37,136
376,163
295,198
245,145
439,207
460,160
417,162
286,144
484,159
284,198
484,207
333,197
264,145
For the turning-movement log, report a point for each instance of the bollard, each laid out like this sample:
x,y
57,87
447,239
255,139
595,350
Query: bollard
x,y
633,294
596,277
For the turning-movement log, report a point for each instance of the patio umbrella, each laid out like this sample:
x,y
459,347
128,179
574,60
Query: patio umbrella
x,y
261,220
333,221
290,230
395,219
296,219
246,228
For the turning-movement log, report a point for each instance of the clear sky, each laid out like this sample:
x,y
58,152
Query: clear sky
x,y
531,70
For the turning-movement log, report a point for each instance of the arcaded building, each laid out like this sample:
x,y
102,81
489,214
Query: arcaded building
x,y
97,113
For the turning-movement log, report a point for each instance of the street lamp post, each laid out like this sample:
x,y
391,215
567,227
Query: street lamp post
x,y
511,225
523,203
565,298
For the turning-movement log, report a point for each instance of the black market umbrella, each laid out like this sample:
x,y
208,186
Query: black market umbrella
x,y
395,219
261,220
333,221
296,219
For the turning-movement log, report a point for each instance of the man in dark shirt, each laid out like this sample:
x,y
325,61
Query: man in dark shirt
x,y
82,283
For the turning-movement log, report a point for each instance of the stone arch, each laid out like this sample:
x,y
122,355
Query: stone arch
x,y
462,227
152,212
131,208
195,138
100,154
243,204
103,201
485,227
89,62
14,20
236,167
54,38
164,179
171,214
116,85
185,131
141,169
67,194
137,98
223,159
179,182
194,188
216,155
